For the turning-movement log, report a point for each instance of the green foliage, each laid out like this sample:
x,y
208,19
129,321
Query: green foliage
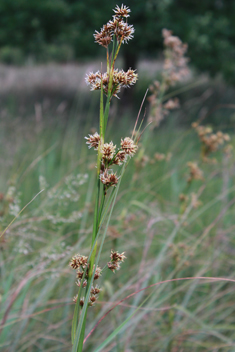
x,y
11,56
31,24
209,29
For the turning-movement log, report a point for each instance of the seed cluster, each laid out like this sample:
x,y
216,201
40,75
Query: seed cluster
x,y
211,142
116,27
195,172
119,29
174,70
111,155
116,260
175,64
79,263
120,79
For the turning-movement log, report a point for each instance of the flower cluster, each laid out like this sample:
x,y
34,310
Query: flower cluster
x,y
195,173
175,64
79,263
210,141
116,27
158,109
174,70
93,141
120,79
111,155
92,299
116,259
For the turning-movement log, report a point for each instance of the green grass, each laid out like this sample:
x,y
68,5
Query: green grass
x,y
161,242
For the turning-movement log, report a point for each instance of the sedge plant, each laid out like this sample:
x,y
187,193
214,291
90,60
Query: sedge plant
x,y
113,34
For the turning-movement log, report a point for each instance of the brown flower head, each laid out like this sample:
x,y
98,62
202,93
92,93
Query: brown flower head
x,y
108,179
80,274
122,30
93,140
128,146
120,79
122,11
210,141
97,272
175,63
75,298
115,256
104,37
95,290
113,266
82,300
120,158
116,259
108,150
78,261
125,79
92,301
84,284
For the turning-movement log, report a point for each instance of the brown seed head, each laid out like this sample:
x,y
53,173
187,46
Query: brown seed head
x,y
95,290
117,257
84,284
108,150
122,11
108,179
128,146
93,141
97,272
120,158
78,261
104,37
113,266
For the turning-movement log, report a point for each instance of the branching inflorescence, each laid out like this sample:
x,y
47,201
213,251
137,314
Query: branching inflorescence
x,y
174,70
115,33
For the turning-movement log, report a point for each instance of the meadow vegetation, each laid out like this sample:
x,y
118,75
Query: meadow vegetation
x,y
173,218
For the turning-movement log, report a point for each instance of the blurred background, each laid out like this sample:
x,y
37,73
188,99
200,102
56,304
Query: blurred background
x,y
46,49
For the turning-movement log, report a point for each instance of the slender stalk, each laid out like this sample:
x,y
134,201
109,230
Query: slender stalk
x,y
110,84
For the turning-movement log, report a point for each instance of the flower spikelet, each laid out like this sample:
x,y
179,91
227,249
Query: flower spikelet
x,y
115,256
108,150
120,158
113,266
98,271
95,290
84,284
82,300
122,11
78,261
104,37
124,32
108,179
129,146
116,259
93,141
